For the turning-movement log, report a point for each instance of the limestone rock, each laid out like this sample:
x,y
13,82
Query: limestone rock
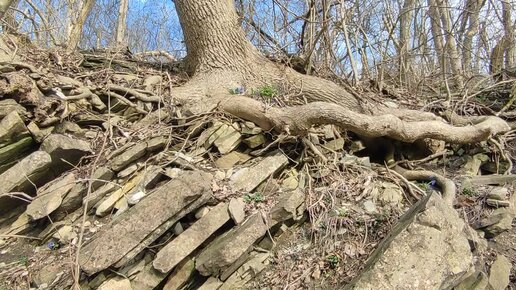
x,y
477,281
291,205
211,284
499,273
50,198
498,222
183,245
116,284
8,106
229,160
65,234
255,141
101,176
15,151
247,179
228,140
223,252
148,278
180,275
426,250
29,171
498,193
65,151
254,266
131,230
135,152
12,129
237,210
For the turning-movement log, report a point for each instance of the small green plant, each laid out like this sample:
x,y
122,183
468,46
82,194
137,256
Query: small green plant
x,y
24,260
341,212
254,197
469,191
268,92
333,261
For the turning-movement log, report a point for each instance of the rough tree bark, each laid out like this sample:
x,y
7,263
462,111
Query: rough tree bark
x,y
121,25
220,58
77,18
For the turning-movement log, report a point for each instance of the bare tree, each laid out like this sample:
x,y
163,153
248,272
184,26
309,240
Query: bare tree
x,y
219,58
121,26
77,13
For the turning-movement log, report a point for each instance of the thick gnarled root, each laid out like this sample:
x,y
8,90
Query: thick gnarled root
x,y
297,120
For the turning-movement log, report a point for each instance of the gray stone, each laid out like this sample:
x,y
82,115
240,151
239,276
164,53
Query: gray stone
x,y
180,275
249,128
229,160
228,140
498,222
255,141
15,151
25,174
370,207
50,197
148,278
8,106
135,152
237,210
65,151
211,284
291,205
247,179
473,163
131,230
100,177
12,129
116,284
498,193
499,273
427,249
65,234
223,252
178,229
254,266
183,245
477,281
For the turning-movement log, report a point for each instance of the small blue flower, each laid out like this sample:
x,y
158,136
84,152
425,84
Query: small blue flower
x,y
240,90
52,245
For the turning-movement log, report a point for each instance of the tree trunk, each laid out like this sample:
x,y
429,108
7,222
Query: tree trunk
x,y
121,25
77,23
473,8
220,58
403,53
4,6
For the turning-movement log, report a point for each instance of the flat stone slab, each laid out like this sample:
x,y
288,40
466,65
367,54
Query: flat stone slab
x,y
182,246
50,197
29,168
225,251
132,227
135,152
249,178
427,249
65,151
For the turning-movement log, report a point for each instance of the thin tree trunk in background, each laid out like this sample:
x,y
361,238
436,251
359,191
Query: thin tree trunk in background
x,y
473,7
75,34
121,26
451,44
437,35
403,52
509,35
348,43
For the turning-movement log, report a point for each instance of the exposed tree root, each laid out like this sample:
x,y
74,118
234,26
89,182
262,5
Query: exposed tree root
x,y
297,120
447,186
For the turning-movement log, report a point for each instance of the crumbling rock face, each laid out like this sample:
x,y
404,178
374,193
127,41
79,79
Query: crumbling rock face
x,y
426,250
